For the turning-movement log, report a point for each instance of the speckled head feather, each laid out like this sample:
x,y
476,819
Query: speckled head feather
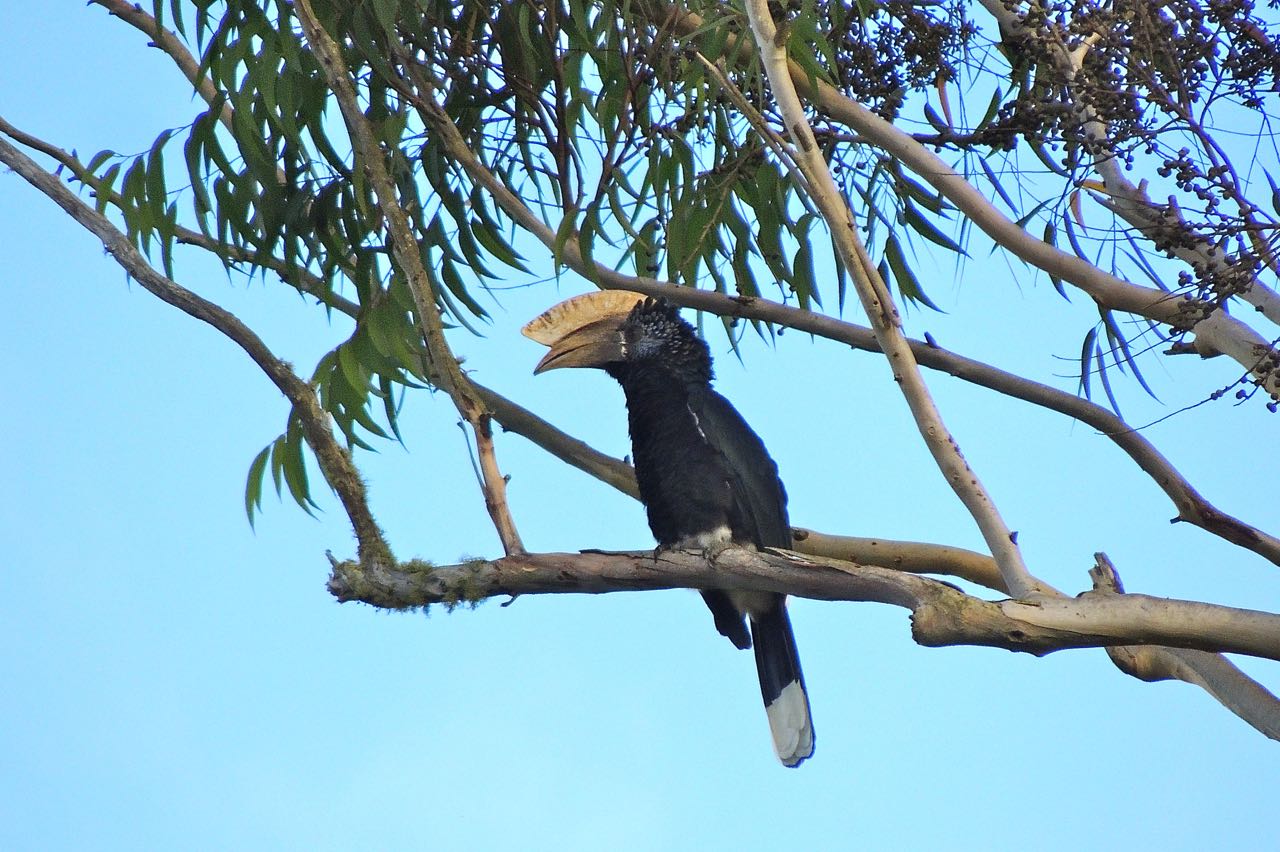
x,y
655,333
615,330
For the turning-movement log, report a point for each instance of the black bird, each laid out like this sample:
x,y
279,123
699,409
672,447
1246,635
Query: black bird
x,y
705,477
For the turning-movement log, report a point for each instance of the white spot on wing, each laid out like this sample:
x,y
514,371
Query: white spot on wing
x,y
697,424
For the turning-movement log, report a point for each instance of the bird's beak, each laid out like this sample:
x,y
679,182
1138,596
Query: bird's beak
x,y
593,345
585,331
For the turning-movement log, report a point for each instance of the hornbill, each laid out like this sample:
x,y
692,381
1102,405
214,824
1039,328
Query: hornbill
x,y
705,478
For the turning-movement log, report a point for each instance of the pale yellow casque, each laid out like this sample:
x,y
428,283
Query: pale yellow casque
x,y
571,314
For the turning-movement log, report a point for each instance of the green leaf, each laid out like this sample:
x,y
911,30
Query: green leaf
x,y
136,213
295,468
253,484
453,281
351,368
802,275
1106,385
939,124
908,284
105,184
390,408
931,201
992,108
1051,237
926,229
98,159
156,192
492,241
1116,338
563,233
1086,361
646,249
384,11
277,463
995,183
201,129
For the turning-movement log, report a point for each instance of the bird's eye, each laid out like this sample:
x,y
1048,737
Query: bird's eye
x,y
639,342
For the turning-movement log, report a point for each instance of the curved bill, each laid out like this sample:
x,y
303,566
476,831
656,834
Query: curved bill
x,y
593,345
584,331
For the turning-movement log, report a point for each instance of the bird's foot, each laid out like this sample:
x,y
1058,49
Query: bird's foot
x,y
712,550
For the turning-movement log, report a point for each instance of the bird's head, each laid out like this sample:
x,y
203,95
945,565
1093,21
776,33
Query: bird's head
x,y
614,329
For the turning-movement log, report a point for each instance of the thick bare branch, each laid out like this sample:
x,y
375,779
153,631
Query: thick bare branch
x,y
913,557
942,614
1213,673
334,461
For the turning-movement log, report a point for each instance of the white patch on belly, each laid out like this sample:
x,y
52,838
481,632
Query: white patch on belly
x,y
719,536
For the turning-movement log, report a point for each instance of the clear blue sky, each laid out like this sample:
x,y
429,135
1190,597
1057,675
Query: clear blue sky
x,y
173,679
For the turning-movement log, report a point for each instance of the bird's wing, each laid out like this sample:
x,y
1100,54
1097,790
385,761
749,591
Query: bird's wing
x,y
759,499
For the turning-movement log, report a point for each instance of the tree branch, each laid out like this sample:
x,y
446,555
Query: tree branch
x,y
1213,673
1216,330
521,421
443,366
1191,505
334,461
1216,675
942,614
298,278
913,557
1124,198
879,305
132,14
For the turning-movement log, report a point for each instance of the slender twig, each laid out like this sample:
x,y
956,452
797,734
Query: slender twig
x,y
514,418
334,461
761,125
132,14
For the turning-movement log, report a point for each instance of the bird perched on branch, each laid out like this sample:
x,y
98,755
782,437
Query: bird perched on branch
x,y
705,478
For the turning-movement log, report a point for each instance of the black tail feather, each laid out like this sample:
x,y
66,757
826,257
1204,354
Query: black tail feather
x,y
782,684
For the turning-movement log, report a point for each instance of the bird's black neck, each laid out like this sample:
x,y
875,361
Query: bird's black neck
x,y
669,453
